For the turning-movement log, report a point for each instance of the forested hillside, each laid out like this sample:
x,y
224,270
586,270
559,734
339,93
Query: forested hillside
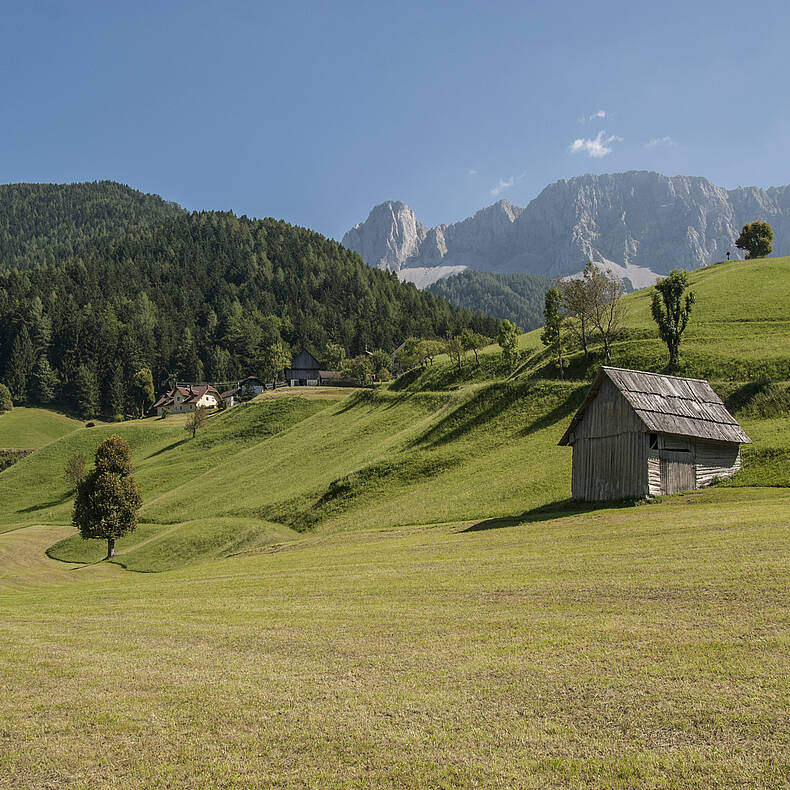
x,y
197,295
45,223
517,297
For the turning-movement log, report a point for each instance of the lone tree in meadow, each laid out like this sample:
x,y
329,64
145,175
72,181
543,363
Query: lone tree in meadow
x,y
551,336
108,498
671,310
508,342
756,238
196,420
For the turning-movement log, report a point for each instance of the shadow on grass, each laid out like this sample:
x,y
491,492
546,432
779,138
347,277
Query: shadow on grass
x,y
554,510
52,503
169,447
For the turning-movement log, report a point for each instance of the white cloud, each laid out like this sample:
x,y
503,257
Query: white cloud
x,y
472,172
593,117
660,141
595,147
502,185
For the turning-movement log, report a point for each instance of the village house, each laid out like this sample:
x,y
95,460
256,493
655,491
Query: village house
x,y
186,398
641,434
251,386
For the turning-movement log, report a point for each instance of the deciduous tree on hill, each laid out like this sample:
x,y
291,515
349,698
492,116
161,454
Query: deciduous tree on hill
x,y
607,310
507,338
427,350
108,498
197,419
671,310
473,341
380,362
756,238
276,358
551,336
455,349
334,356
577,308
75,469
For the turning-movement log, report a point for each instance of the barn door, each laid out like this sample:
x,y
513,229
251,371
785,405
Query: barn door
x,y
677,471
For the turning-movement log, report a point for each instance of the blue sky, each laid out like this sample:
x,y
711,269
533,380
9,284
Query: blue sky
x,y
313,112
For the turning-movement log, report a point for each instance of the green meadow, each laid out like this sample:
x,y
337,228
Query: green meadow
x,y
389,587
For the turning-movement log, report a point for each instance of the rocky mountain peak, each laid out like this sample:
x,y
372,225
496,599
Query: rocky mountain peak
x,y
640,224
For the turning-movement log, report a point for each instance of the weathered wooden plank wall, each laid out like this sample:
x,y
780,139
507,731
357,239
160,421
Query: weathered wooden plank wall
x,y
716,460
610,467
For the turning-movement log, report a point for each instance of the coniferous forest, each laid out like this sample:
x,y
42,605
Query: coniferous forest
x,y
98,281
518,297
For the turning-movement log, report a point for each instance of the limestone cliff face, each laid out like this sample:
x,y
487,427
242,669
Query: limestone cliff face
x,y
389,237
640,224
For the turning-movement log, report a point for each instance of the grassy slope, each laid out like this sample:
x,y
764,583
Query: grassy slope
x,y
471,449
33,428
509,644
739,330
621,648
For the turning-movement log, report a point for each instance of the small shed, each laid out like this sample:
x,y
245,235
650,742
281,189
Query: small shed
x,y
305,370
641,434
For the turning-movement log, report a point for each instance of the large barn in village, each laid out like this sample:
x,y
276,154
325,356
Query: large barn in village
x,y
641,434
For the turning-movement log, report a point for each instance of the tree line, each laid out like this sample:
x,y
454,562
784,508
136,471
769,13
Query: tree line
x,y
589,308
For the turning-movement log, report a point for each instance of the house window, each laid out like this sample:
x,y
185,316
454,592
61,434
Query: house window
x,y
653,438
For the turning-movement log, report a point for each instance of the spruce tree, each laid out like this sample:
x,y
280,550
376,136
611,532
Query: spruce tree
x,y
44,382
19,368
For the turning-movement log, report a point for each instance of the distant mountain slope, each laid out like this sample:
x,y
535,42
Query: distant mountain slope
x,y
517,297
44,223
641,224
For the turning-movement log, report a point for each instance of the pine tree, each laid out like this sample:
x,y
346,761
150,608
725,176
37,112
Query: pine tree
x,y
19,368
45,382
86,392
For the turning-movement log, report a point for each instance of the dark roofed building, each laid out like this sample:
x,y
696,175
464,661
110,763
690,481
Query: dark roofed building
x,y
305,370
641,434
187,397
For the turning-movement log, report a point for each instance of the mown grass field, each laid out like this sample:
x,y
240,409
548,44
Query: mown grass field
x,y
632,647
26,428
390,588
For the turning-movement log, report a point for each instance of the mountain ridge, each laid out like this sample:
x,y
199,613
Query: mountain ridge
x,y
641,224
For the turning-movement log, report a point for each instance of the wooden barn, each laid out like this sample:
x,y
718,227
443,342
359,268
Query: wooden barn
x,y
305,370
641,434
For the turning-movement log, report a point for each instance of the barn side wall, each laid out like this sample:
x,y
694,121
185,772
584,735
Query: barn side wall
x,y
715,460
609,450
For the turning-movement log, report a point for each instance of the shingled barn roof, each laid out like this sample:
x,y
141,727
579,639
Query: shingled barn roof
x,y
668,404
